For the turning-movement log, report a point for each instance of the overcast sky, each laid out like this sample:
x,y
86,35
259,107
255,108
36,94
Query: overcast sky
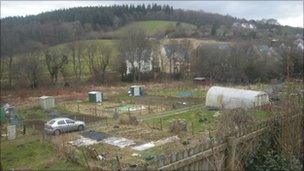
x,y
286,12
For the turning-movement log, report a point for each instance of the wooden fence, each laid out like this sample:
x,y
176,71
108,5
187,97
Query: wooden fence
x,y
216,152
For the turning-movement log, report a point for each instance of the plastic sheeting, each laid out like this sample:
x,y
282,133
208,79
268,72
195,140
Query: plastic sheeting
x,y
155,143
231,98
83,142
119,142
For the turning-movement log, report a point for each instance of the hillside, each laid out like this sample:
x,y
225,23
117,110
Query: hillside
x,y
155,26
65,25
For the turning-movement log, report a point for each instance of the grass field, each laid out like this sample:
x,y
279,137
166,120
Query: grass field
x,y
30,153
154,26
198,120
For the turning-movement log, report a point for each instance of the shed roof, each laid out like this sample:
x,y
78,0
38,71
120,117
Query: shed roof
x,y
199,78
133,86
46,97
94,92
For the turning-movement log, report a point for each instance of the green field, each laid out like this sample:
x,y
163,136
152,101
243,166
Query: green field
x,y
29,153
153,26
198,119
176,92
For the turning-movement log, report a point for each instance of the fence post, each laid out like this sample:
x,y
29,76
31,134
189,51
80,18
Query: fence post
x,y
78,110
231,150
95,110
192,127
161,123
24,129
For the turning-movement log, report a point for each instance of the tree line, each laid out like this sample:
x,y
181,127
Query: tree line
x,y
60,26
135,58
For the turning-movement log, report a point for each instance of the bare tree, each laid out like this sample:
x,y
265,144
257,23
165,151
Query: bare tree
x,y
77,49
170,50
156,61
32,68
77,55
56,61
136,50
120,66
98,60
186,47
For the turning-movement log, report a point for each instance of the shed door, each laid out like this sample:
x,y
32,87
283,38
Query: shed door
x,y
98,97
136,91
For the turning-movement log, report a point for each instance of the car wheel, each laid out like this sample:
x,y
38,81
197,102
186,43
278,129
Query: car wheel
x,y
57,132
80,127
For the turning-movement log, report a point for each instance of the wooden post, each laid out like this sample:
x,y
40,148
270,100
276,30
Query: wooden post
x,y
24,129
95,110
78,108
192,127
129,113
231,154
149,109
161,123
118,163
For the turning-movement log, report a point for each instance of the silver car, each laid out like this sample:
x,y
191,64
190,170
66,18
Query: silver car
x,y
60,125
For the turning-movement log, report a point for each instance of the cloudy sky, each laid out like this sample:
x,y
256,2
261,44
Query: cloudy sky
x,y
286,12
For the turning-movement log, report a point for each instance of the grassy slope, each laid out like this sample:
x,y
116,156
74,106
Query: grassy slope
x,y
153,26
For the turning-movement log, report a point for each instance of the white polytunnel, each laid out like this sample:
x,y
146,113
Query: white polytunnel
x,y
232,98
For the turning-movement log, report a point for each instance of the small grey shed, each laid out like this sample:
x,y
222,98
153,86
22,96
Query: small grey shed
x,y
136,90
95,96
47,102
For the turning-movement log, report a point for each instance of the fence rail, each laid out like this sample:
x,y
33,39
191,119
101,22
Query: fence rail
x,y
200,157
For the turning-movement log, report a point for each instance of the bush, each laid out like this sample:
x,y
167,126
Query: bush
x,y
271,159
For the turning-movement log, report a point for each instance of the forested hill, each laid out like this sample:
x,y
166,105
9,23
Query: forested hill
x,y
21,34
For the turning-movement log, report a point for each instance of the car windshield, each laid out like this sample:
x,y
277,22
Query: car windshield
x,y
51,122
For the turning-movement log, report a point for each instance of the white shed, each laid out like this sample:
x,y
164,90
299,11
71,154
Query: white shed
x,y
231,98
47,102
135,90
95,96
